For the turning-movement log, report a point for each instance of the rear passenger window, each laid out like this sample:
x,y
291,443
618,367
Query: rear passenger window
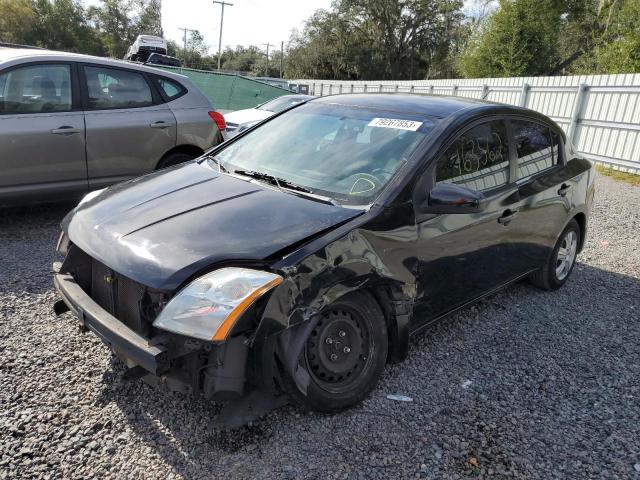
x,y
114,88
170,88
478,160
533,147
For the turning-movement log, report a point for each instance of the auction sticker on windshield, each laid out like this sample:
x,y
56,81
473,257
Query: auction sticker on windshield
x,y
395,123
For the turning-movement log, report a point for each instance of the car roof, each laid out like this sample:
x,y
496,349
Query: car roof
x,y
439,106
36,54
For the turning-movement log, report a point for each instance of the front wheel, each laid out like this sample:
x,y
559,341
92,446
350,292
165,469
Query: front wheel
x,y
344,356
563,257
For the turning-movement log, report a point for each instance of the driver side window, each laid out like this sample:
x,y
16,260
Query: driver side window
x,y
478,159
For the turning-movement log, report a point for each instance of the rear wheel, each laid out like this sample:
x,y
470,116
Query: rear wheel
x,y
345,355
559,266
174,159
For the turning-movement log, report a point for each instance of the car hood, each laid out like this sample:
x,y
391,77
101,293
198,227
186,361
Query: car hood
x,y
163,228
249,115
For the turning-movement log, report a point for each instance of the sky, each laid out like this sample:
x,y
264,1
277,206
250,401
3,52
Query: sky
x,y
247,22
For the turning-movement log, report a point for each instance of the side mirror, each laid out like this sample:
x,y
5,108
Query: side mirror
x,y
452,198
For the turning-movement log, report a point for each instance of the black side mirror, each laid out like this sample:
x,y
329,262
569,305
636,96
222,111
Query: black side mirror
x,y
452,198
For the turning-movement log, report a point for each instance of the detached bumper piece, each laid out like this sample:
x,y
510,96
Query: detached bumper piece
x,y
125,342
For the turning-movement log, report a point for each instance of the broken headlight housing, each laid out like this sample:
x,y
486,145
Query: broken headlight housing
x,y
209,307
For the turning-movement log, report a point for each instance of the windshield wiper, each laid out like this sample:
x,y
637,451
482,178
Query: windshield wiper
x,y
286,185
279,182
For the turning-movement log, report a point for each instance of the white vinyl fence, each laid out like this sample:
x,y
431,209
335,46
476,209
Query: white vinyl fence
x,y
599,113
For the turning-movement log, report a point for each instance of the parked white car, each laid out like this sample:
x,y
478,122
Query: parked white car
x,y
240,120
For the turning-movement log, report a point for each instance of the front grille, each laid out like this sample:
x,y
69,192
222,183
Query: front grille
x,y
118,295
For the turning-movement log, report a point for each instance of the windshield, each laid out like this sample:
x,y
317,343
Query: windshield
x,y
346,153
281,103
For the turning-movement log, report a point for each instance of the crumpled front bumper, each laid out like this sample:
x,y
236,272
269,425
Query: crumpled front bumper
x,y
132,348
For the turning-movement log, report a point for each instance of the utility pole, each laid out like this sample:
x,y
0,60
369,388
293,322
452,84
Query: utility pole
x,y
185,30
266,68
221,22
281,56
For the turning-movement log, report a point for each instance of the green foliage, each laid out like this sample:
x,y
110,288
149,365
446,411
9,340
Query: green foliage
x,y
383,39
106,29
618,47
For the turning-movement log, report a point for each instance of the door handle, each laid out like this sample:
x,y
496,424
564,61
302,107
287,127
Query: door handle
x,y
65,130
160,124
507,216
564,189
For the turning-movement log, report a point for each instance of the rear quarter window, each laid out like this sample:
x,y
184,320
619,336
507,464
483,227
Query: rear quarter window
x,y
170,89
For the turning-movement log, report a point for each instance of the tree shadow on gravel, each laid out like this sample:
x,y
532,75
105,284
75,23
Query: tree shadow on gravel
x,y
515,379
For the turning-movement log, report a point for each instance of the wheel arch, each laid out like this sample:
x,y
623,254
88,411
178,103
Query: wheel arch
x,y
581,219
185,148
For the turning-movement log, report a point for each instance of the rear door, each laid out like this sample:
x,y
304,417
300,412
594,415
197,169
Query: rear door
x,y
129,128
464,255
544,189
42,134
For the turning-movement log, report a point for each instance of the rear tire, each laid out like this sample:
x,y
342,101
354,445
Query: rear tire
x,y
174,159
344,356
556,271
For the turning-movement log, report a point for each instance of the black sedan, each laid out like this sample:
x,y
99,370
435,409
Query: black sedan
x,y
299,257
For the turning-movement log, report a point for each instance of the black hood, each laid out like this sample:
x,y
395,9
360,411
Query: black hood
x,y
162,228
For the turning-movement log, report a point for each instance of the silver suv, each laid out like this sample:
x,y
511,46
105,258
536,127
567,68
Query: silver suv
x,y
72,123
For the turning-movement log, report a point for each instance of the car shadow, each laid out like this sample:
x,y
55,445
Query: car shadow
x,y
179,427
28,237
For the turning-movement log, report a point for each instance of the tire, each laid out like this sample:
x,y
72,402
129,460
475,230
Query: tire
x,y
558,268
174,159
340,382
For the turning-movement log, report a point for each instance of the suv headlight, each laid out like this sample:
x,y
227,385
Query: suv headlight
x,y
209,306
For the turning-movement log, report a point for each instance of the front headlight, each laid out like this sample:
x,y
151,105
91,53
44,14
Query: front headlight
x,y
209,306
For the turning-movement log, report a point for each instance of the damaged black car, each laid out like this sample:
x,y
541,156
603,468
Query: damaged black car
x,y
298,258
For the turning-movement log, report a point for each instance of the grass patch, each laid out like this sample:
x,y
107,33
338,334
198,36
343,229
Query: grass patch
x,y
630,178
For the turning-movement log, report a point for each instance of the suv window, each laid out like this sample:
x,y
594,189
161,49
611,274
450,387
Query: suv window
x,y
478,159
114,88
36,89
533,146
170,88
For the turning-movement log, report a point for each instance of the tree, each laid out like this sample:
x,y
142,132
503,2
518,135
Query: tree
x,y
17,21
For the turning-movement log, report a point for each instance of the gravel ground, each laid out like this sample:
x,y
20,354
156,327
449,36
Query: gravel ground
x,y
526,384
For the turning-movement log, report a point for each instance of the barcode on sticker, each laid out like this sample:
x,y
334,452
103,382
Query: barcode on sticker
x,y
395,123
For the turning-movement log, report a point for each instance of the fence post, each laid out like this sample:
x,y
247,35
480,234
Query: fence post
x,y
430,89
411,90
524,94
352,88
331,89
321,88
340,88
485,91
365,88
577,111
380,88
454,90
313,91
397,88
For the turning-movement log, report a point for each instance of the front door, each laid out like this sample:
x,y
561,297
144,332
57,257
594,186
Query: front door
x,y
128,128
42,135
464,255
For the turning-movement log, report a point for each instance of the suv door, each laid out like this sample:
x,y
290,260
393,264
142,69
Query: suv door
x,y
129,129
42,135
544,185
462,256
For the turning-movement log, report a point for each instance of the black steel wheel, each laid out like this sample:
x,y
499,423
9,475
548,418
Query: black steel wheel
x,y
344,355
